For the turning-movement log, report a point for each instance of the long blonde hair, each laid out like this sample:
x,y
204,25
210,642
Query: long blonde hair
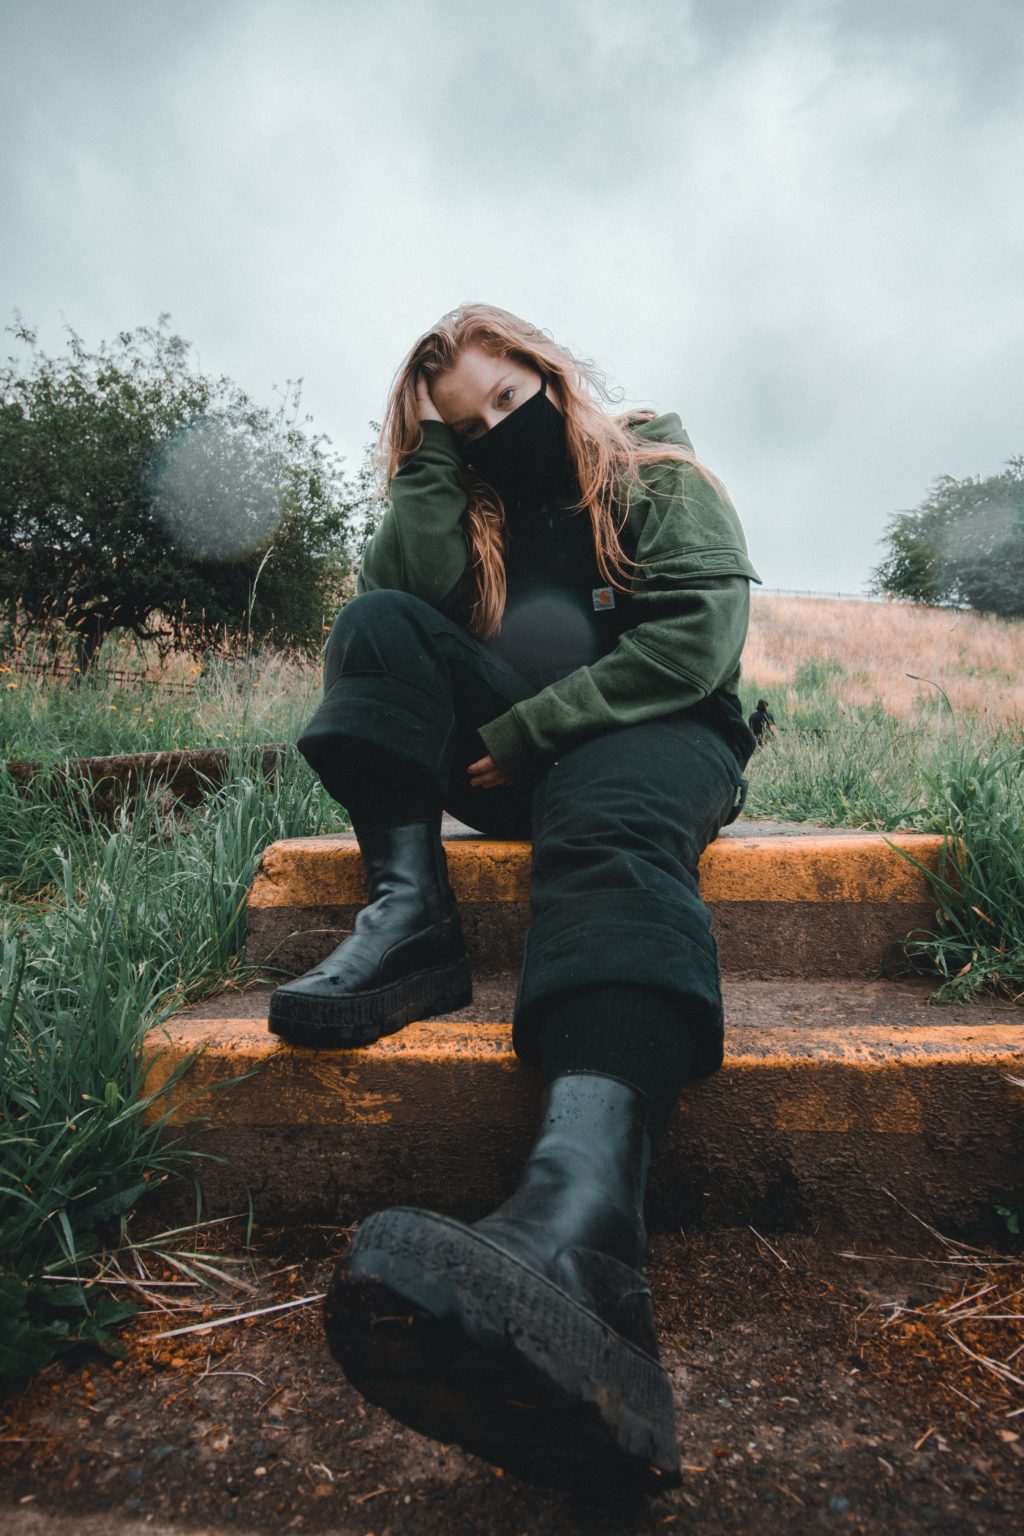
x,y
607,455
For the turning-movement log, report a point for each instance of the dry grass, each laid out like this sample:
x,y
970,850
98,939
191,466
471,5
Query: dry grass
x,y
131,702
969,1340
978,660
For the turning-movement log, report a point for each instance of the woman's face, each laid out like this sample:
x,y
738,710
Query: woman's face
x,y
480,390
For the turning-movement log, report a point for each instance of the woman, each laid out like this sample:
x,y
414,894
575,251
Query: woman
x,y
546,642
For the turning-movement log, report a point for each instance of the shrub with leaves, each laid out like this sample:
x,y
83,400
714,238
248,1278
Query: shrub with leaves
x,y
963,546
137,493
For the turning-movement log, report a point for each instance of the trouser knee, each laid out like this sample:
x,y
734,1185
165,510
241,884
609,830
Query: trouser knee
x,y
373,631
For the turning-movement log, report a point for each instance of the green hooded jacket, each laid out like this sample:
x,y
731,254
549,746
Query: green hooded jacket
x,y
691,596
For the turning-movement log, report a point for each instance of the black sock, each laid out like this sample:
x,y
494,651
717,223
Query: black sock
x,y
632,1033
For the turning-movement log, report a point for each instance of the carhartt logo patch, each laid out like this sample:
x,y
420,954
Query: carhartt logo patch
x,y
603,597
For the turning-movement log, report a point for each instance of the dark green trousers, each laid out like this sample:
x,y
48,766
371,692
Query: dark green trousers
x,y
617,823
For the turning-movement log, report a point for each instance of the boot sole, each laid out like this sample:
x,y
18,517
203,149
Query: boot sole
x,y
463,1343
360,1018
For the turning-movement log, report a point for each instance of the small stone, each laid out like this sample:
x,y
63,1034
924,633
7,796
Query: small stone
x,y
724,1402
837,1505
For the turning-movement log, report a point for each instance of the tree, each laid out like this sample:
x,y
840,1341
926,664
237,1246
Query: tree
x,y
138,493
963,546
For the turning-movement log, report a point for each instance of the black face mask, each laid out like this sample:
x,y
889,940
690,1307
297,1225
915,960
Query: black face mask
x,y
524,457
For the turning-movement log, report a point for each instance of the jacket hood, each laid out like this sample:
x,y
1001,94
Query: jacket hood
x,y
663,429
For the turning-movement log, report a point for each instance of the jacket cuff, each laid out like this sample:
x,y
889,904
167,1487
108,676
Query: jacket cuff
x,y
507,742
438,434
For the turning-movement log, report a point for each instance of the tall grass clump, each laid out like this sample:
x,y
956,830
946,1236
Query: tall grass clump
x,y
977,944
864,769
105,931
961,779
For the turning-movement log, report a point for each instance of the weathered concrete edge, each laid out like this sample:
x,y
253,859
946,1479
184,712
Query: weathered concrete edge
x,y
784,1137
824,868
869,1072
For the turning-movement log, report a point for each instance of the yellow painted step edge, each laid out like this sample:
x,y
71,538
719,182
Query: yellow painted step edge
x,y
828,1078
327,871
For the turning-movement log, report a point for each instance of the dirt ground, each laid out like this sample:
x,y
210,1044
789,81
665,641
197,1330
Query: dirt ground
x,y
808,1398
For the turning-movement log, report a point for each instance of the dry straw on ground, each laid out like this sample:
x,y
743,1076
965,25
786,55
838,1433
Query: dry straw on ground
x,y
978,660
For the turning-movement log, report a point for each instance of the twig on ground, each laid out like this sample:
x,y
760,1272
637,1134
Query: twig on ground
x,y
940,1237
995,1366
238,1317
981,1262
375,1493
965,1299
136,1285
785,1264
790,1494
251,1375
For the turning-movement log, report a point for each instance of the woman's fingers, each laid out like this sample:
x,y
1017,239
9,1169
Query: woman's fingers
x,y
488,780
486,774
427,409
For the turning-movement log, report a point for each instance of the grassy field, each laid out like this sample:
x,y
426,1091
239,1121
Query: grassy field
x,y
874,702
129,703
107,928
877,656
877,668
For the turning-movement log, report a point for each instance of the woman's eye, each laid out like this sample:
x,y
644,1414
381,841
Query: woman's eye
x,y
505,398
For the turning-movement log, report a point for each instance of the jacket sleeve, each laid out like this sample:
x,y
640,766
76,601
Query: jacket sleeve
x,y
420,546
692,608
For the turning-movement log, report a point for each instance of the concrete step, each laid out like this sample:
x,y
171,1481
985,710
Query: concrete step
x,y
824,904
833,1093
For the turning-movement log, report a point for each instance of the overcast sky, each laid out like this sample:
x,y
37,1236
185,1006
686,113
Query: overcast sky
x,y
797,223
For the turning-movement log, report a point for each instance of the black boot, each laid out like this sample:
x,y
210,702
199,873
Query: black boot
x,y
527,1337
405,958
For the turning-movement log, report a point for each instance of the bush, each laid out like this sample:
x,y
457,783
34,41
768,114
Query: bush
x,y
963,547
137,493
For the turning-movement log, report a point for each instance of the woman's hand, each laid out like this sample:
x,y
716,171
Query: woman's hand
x,y
485,774
427,409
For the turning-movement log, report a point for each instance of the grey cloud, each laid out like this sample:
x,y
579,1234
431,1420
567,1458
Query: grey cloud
x,y
796,223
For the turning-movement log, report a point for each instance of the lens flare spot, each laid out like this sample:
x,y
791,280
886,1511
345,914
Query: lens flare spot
x,y
218,492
